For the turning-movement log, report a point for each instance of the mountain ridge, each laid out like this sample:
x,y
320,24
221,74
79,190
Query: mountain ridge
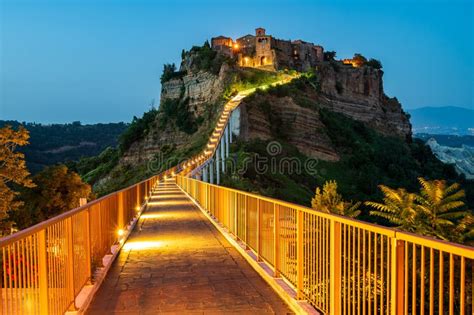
x,y
443,120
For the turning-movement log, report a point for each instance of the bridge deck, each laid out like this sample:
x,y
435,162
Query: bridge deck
x,y
176,261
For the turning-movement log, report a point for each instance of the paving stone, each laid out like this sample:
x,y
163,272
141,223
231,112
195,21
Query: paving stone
x,y
179,263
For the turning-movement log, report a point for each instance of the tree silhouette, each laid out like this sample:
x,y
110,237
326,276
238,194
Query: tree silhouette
x,y
13,171
330,201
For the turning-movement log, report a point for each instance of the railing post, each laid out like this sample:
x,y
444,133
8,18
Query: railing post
x,y
88,246
43,272
137,201
82,202
236,221
70,260
120,214
335,267
259,242
246,229
276,240
299,255
397,275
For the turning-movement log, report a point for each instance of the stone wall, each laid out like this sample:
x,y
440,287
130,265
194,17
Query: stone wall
x,y
298,55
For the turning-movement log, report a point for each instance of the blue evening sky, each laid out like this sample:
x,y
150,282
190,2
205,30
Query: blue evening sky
x,y
100,61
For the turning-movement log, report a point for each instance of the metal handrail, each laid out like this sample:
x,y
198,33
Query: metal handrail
x,y
342,265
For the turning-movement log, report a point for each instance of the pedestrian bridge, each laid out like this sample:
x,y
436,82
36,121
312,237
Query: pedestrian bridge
x,y
176,243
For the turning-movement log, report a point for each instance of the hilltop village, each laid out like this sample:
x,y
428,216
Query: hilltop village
x,y
353,87
264,51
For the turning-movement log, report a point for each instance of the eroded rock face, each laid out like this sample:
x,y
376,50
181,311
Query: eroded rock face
x,y
358,93
201,88
354,92
270,117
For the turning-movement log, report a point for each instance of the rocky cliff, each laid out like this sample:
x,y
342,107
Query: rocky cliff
x,y
203,94
268,117
359,94
292,114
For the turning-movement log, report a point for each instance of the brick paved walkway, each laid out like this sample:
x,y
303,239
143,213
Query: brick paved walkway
x,y
177,262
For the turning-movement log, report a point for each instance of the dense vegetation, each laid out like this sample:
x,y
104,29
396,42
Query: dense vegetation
x,y
169,73
94,168
25,201
368,159
13,173
137,129
57,190
358,59
177,111
203,58
60,143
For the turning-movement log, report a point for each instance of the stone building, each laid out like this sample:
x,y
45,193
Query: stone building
x,y
223,44
264,51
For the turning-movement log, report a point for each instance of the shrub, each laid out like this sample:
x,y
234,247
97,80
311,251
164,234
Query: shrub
x,y
169,73
178,110
137,129
374,63
329,55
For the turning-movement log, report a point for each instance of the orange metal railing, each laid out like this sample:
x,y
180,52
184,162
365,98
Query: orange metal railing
x,y
341,265
45,267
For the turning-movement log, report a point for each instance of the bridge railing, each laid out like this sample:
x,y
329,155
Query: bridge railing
x,y
341,265
45,266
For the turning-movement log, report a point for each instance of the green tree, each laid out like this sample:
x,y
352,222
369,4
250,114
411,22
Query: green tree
x,y
374,63
168,72
398,207
330,201
329,55
137,130
57,190
435,211
441,205
13,171
359,60
464,231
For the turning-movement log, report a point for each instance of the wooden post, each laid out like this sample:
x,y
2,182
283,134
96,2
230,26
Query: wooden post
x,y
335,266
43,272
397,275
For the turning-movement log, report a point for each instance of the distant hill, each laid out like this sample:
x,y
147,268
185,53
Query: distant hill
x,y
449,120
453,141
60,143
